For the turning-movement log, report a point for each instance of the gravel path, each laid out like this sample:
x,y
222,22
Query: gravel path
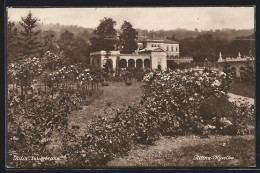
x,y
234,97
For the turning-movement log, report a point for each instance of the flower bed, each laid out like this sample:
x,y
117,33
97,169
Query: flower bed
x,y
172,104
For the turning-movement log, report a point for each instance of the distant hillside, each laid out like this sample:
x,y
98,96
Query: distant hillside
x,y
57,29
179,34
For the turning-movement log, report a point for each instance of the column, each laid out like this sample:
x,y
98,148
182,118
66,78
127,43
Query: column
x,y
90,60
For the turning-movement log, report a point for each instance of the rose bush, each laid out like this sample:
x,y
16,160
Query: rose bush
x,y
175,98
30,126
109,137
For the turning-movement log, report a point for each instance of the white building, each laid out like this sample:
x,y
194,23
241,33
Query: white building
x,y
235,64
152,54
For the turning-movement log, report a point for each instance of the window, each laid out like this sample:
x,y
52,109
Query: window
x,y
172,48
167,48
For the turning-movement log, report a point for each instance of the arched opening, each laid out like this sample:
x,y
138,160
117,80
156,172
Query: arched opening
x,y
233,71
139,63
226,68
242,68
108,65
147,63
159,67
122,63
131,63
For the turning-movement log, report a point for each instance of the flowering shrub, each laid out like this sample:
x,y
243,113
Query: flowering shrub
x,y
24,71
175,98
52,60
244,118
30,126
109,137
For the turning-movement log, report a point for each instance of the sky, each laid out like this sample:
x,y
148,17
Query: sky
x,y
153,18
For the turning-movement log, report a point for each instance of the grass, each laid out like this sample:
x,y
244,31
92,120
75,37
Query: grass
x,y
241,149
180,152
115,96
243,89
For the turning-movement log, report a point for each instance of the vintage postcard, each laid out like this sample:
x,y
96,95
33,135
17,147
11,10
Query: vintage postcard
x,y
110,87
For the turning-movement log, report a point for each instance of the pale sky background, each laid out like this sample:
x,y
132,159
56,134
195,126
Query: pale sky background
x,y
202,18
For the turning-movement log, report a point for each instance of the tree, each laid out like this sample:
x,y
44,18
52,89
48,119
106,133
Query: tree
x,y
172,37
81,50
65,45
29,39
75,50
106,36
128,38
11,44
49,41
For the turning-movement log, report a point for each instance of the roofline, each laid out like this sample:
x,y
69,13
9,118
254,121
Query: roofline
x,y
160,41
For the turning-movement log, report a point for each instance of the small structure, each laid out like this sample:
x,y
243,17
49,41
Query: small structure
x,y
236,64
152,54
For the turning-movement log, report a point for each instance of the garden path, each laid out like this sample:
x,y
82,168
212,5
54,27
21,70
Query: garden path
x,y
234,97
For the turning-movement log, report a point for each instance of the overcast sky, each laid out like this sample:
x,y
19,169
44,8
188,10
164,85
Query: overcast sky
x,y
202,18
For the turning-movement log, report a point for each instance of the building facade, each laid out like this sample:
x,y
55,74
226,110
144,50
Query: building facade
x,y
151,54
235,64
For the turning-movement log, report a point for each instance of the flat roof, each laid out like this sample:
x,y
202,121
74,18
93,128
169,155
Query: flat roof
x,y
159,41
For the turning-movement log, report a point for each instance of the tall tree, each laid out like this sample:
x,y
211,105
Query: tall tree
x,y
11,44
65,44
29,39
128,38
106,36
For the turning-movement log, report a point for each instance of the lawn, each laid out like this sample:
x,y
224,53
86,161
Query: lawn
x,y
115,96
243,89
181,152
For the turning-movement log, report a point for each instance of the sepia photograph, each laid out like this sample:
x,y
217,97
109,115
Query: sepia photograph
x,y
130,87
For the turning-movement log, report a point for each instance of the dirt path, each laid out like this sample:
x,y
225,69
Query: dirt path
x,y
117,94
234,97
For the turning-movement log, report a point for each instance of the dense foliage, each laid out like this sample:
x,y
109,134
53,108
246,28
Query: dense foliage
x,y
206,46
42,115
128,38
106,36
187,102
